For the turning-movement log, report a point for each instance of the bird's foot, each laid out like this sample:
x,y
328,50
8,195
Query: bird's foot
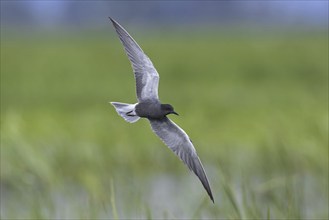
x,y
129,113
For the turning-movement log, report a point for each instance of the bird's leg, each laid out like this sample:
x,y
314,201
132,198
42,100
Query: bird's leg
x,y
129,113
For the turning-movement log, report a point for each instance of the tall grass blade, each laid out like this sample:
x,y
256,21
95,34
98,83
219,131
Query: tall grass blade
x,y
113,204
230,194
268,213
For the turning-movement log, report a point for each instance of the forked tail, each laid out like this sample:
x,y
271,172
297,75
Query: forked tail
x,y
126,111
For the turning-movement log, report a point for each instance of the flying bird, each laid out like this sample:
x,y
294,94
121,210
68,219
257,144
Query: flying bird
x,y
150,107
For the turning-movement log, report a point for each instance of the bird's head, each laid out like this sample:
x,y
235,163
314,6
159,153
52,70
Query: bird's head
x,y
168,109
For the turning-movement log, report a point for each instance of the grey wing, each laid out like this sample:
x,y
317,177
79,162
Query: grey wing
x,y
179,142
146,76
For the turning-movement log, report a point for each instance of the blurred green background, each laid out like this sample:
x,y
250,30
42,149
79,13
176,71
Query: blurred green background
x,y
253,100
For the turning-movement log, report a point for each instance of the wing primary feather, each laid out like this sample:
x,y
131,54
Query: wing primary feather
x,y
146,76
178,141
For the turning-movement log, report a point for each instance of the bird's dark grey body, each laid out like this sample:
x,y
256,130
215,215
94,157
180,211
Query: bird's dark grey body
x,y
149,106
153,110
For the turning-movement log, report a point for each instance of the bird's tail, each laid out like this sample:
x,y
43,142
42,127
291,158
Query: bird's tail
x,y
126,111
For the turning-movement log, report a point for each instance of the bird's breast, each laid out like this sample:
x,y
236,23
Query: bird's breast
x,y
149,110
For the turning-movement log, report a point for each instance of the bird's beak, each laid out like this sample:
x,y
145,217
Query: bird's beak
x,y
173,112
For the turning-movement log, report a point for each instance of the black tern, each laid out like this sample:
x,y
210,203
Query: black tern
x,y
150,107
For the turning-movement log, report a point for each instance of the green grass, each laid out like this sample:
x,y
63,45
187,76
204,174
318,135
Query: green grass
x,y
256,109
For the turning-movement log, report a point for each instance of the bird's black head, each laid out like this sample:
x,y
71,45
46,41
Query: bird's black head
x,y
168,109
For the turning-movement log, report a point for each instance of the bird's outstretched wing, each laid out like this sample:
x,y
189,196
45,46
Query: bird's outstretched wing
x,y
179,142
146,76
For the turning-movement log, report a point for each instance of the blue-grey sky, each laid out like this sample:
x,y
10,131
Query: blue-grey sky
x,y
93,13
